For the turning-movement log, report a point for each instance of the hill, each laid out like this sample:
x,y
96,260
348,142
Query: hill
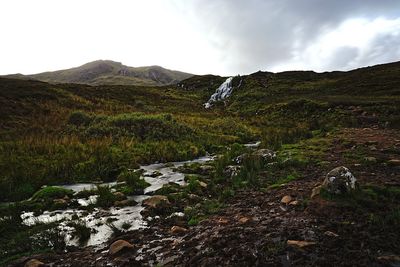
x,y
247,206
109,72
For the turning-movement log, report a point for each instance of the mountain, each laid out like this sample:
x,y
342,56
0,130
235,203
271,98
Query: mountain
x,y
107,72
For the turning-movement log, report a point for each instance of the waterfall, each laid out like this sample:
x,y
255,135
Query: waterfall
x,y
223,91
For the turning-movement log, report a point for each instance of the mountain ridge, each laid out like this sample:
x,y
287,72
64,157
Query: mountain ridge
x,y
108,72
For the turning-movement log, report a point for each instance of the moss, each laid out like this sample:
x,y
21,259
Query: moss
x,y
52,192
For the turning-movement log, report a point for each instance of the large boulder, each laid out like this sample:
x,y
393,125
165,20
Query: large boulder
x,y
340,181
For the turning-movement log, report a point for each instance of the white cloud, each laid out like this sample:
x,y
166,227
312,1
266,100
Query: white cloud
x,y
346,46
209,36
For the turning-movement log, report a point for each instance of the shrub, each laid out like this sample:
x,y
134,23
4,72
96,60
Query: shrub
x,y
81,231
133,180
79,118
105,198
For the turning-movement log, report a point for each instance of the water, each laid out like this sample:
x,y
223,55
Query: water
x,y
97,219
223,91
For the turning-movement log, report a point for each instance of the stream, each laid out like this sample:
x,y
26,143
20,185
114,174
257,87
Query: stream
x,y
98,219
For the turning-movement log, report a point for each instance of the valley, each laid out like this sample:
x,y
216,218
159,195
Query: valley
x,y
204,171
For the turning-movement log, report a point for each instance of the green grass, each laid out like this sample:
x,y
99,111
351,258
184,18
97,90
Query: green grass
x,y
51,192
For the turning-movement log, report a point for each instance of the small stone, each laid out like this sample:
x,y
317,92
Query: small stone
x,y
370,159
194,197
286,199
265,154
223,221
34,263
394,162
316,191
124,203
331,234
294,203
300,243
203,184
60,201
119,246
156,201
390,260
244,220
178,230
119,195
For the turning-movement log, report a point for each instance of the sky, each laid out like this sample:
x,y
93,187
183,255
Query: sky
x,y
224,37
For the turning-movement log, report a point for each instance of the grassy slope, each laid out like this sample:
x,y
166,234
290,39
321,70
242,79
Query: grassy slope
x,y
40,145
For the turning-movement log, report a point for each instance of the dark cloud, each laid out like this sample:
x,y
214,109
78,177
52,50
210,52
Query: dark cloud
x,y
260,34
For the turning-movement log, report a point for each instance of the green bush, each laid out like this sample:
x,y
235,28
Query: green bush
x,y
81,231
105,198
79,118
133,180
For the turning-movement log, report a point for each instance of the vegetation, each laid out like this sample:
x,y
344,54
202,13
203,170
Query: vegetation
x,y
68,133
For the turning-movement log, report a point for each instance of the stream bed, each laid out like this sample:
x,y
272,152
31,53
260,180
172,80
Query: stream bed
x,y
98,220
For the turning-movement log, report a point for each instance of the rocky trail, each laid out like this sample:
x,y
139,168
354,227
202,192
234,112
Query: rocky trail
x,y
281,226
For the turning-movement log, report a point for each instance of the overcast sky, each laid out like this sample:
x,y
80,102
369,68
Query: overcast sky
x,y
225,37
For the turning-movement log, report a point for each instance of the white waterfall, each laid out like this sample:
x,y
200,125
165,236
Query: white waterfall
x,y
223,91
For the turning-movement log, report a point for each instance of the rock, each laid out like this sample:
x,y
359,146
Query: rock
x,y
60,201
102,213
223,221
34,263
244,220
119,196
370,159
294,203
390,260
157,201
154,174
300,243
339,181
239,159
194,197
394,162
331,234
125,202
265,154
286,199
205,169
231,170
203,184
119,246
178,230
316,191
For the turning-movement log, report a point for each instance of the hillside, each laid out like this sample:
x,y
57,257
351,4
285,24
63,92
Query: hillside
x,y
247,198
110,72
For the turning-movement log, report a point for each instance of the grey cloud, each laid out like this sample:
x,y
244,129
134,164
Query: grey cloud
x,y
258,34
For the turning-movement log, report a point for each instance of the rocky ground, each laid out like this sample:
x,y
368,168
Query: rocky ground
x,y
279,226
